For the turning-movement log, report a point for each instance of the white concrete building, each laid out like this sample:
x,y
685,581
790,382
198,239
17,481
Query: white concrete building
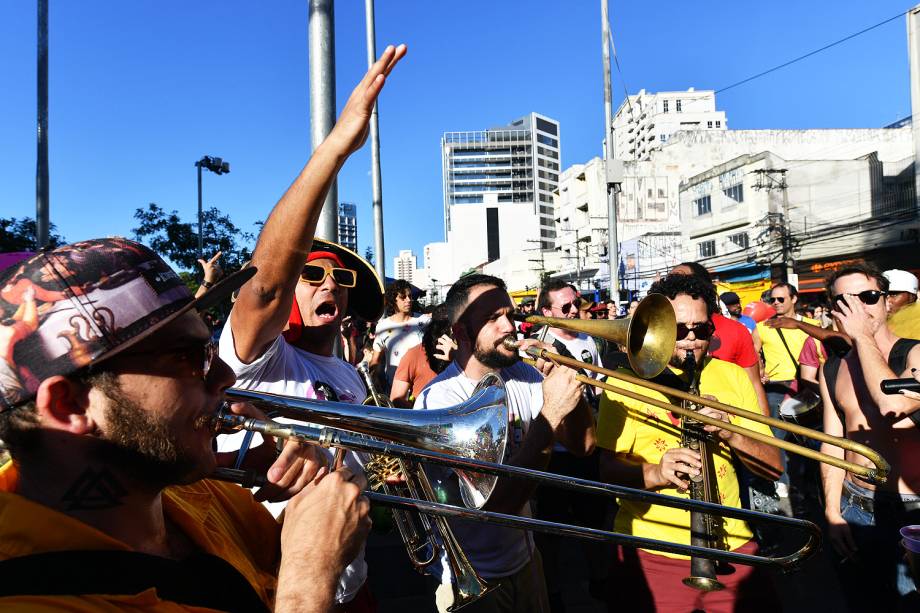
x,y
645,121
404,265
498,196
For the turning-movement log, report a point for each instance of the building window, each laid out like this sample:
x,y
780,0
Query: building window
x,y
664,106
661,193
735,192
678,105
545,126
707,249
703,205
741,240
492,243
546,140
718,124
708,124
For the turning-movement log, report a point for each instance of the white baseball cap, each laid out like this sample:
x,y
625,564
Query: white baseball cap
x,y
901,281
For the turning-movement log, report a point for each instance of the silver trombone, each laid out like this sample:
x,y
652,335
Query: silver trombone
x,y
470,439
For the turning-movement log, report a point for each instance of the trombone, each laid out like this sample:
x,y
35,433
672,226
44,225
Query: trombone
x,y
470,438
650,336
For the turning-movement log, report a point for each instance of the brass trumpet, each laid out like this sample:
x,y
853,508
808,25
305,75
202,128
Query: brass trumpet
x,y
451,437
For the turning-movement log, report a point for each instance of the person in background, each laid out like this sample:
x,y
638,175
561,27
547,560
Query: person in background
x,y
212,273
396,334
633,305
423,362
613,311
733,304
902,290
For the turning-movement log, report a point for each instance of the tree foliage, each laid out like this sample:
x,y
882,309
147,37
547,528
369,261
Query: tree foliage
x,y
19,235
169,236
369,254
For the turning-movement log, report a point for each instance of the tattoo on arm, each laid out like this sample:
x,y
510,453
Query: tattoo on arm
x,y
94,490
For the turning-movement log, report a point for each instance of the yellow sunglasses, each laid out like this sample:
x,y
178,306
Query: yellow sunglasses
x,y
315,274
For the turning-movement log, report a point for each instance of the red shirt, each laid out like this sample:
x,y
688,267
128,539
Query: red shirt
x,y
732,342
414,369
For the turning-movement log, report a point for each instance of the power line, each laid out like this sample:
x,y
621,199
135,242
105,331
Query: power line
x,y
811,53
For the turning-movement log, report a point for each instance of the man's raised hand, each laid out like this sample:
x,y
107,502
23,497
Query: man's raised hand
x,y
351,129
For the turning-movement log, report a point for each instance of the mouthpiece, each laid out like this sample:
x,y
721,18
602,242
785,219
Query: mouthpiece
x,y
510,343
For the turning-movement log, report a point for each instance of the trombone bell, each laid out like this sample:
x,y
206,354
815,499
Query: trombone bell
x,y
649,335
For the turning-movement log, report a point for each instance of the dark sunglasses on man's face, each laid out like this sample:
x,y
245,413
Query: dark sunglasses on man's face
x,y
315,274
702,331
869,297
779,299
568,306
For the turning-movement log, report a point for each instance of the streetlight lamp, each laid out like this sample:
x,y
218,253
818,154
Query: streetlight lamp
x,y
217,166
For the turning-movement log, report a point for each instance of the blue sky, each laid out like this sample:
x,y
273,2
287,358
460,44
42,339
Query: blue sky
x,y
140,90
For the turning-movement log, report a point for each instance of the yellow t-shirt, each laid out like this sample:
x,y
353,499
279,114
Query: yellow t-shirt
x,y
222,519
779,366
644,432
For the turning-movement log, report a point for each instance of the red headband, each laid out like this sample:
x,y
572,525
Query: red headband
x,y
325,255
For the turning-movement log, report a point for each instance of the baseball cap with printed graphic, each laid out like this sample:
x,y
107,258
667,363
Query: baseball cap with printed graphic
x,y
67,308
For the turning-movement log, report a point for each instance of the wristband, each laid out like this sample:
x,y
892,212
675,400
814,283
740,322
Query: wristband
x,y
207,284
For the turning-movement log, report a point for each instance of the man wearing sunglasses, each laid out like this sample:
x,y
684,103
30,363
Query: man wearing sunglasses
x,y
286,322
107,503
864,519
395,334
641,448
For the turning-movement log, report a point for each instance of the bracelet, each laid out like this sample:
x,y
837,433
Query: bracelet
x,y
207,284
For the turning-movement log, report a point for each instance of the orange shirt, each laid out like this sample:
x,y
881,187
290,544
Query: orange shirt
x,y
222,519
415,370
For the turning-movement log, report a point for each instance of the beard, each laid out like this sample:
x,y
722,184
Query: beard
x,y
493,357
143,445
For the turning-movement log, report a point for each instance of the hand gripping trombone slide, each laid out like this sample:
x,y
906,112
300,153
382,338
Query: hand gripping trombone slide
x,y
470,438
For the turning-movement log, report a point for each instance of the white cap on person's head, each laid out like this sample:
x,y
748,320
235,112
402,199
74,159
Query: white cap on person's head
x,y
901,281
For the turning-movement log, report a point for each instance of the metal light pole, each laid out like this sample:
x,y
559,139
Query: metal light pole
x,y
321,35
613,247
218,167
42,215
375,148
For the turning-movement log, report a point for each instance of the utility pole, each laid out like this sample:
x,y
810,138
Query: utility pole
x,y
321,35
42,189
913,57
771,179
612,168
376,187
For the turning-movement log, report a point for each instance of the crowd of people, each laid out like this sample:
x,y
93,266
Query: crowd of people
x,y
110,377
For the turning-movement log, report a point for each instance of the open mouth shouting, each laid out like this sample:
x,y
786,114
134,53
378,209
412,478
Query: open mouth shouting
x,y
327,312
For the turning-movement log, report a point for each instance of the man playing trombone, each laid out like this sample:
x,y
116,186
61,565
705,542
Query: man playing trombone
x,y
541,410
643,446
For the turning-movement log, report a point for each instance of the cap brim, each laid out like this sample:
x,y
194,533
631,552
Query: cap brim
x,y
365,299
221,290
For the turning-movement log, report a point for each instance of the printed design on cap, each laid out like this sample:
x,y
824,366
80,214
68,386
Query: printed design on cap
x,y
61,309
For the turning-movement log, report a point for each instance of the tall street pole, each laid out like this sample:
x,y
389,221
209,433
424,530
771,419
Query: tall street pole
x,y
379,263
613,248
913,57
42,190
321,34
200,232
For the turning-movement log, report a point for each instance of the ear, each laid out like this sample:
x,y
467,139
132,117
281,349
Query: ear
x,y
62,405
458,332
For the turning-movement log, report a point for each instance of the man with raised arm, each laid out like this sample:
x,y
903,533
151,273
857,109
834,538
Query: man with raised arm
x,y
285,323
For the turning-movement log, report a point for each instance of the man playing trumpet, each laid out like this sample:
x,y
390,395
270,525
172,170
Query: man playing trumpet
x,y
641,446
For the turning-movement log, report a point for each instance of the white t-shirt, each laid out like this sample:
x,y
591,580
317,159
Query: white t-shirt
x,y
494,551
395,339
583,348
287,370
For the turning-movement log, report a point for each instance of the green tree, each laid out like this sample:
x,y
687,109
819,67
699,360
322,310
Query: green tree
x,y
369,254
19,235
168,235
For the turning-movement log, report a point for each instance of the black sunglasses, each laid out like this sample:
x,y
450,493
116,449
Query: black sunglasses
x,y
869,297
779,299
702,331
